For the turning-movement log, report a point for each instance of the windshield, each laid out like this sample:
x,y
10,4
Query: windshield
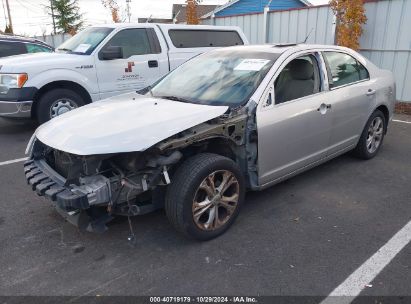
x,y
86,41
217,78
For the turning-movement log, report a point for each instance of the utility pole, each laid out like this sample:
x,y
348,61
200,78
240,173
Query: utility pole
x,y
52,16
8,12
128,10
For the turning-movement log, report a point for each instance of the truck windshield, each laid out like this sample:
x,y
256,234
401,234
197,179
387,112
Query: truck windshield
x,y
216,78
85,42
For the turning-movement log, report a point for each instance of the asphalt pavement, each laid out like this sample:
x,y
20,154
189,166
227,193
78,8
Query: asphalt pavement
x,y
302,237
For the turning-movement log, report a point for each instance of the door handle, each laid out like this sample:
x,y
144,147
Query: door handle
x,y
370,92
153,64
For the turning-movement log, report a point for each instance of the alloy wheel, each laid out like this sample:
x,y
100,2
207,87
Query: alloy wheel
x,y
375,134
215,200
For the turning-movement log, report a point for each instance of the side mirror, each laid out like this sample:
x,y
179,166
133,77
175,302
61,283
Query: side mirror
x,y
111,52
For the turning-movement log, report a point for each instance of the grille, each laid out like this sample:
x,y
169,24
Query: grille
x,y
61,162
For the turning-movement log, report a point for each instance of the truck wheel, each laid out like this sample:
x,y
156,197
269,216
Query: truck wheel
x,y
372,136
57,102
205,196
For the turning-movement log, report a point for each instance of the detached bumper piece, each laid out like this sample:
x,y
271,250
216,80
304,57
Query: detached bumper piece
x,y
45,185
73,207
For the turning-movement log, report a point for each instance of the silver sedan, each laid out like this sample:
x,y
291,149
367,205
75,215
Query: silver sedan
x,y
234,119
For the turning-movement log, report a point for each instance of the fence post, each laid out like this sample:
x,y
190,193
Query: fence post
x,y
265,23
212,19
335,29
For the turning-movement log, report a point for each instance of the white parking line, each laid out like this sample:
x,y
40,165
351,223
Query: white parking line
x,y
13,161
346,292
402,121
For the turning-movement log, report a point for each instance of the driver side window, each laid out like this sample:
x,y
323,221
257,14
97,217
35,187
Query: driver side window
x,y
299,78
132,41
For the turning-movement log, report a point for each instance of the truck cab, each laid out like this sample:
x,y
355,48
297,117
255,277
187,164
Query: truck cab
x,y
100,62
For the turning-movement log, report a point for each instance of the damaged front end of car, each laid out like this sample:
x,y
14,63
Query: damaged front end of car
x,y
90,190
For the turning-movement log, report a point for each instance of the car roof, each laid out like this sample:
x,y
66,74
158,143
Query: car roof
x,y
283,47
163,25
15,38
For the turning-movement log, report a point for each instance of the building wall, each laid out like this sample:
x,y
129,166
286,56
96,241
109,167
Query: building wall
x,y
295,25
257,6
54,40
386,40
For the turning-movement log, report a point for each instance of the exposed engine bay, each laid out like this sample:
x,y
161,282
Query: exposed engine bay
x,y
90,190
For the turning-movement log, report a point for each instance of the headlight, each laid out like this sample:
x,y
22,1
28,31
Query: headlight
x,y
12,81
30,145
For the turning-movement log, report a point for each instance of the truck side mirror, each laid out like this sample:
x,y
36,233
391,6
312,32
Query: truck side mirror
x,y
111,52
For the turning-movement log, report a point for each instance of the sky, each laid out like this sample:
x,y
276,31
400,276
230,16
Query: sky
x,y
30,17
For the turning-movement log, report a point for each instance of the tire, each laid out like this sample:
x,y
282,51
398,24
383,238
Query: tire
x,y
62,100
185,189
365,148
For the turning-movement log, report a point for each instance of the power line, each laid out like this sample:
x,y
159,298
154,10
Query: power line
x,y
27,8
31,4
27,5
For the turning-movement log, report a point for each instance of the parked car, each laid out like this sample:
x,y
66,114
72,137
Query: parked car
x,y
100,62
17,45
231,120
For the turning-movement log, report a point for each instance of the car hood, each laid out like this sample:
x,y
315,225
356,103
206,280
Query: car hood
x,y
124,123
21,63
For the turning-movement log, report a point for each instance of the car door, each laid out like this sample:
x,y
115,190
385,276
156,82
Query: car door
x,y
293,119
351,96
138,67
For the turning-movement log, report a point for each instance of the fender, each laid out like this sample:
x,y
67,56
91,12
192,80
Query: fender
x,y
48,76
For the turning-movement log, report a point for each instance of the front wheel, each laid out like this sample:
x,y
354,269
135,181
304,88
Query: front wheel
x,y
372,136
56,102
205,196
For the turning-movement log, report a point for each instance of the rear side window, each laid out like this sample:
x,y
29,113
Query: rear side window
x,y
11,48
35,48
344,69
204,38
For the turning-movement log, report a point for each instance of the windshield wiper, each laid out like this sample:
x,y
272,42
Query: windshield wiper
x,y
176,98
64,49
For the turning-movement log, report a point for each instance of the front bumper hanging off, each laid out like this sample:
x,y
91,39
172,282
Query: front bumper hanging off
x,y
75,208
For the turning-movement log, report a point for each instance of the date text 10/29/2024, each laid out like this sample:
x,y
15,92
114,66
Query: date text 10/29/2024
x,y
203,300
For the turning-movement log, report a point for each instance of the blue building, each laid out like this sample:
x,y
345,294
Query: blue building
x,y
240,7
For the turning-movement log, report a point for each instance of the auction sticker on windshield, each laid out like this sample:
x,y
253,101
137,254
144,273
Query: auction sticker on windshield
x,y
82,48
251,64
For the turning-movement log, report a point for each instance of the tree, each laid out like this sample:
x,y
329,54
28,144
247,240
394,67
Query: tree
x,y
8,30
350,16
114,9
67,16
192,17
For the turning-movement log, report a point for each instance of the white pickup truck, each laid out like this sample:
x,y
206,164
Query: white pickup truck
x,y
100,62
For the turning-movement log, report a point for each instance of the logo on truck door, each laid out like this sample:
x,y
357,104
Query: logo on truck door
x,y
129,67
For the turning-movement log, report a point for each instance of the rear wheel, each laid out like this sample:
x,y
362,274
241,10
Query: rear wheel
x,y
372,136
205,196
56,102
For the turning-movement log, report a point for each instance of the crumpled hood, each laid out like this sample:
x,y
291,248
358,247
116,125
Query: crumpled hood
x,y
124,123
